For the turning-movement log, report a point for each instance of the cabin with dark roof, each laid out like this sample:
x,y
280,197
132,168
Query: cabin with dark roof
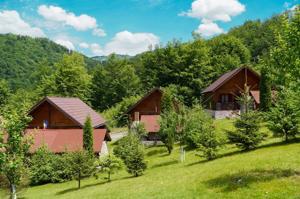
x,y
221,97
147,110
57,122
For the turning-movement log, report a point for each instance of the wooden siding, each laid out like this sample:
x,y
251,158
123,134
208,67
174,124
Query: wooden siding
x,y
233,88
149,106
56,119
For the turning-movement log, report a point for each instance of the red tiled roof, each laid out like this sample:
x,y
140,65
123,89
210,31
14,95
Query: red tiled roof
x,y
61,140
224,78
151,122
255,95
75,109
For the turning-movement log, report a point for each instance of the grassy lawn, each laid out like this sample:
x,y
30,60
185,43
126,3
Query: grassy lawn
x,y
272,171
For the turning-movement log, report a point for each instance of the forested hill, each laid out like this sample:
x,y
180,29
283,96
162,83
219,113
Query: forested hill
x,y
22,58
116,81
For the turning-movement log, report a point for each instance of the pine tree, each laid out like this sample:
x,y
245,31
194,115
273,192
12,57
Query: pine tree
x,y
247,135
265,91
88,135
81,165
110,164
131,151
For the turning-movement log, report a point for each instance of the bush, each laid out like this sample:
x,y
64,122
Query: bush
x,y
110,164
131,151
200,133
138,129
47,167
284,117
168,123
116,114
247,135
62,171
41,171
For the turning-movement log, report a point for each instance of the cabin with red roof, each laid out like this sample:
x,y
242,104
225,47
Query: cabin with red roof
x,y
221,97
147,110
57,122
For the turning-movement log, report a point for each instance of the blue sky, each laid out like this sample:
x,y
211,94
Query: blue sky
x,y
100,27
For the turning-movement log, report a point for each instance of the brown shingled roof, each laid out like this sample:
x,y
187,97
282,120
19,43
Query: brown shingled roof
x,y
224,78
75,109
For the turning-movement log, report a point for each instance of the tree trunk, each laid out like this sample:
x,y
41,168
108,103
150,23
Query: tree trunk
x,y
182,154
79,178
13,191
108,176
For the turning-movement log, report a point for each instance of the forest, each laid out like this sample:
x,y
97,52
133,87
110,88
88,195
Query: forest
x,y
33,68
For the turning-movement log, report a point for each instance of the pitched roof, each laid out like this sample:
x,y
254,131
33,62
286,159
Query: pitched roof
x,y
143,98
224,78
62,140
255,95
75,109
151,122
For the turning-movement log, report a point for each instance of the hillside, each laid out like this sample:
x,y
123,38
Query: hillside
x,y
271,171
21,57
104,58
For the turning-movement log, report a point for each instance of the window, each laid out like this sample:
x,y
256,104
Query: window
x,y
224,98
45,124
136,116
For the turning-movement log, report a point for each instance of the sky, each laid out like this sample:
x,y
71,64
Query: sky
x,y
101,27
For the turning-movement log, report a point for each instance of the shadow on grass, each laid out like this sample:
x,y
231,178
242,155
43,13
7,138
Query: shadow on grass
x,y
282,143
90,185
232,182
165,164
156,151
274,144
83,187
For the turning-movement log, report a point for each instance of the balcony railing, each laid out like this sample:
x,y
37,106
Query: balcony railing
x,y
227,106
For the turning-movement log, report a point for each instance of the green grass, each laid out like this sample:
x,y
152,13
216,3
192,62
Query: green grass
x,y
271,171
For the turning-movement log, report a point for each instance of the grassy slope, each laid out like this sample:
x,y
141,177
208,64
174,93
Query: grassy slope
x,y
271,171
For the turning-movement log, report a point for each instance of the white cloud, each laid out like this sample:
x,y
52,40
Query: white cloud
x,y
127,43
54,13
294,7
96,49
66,43
215,10
99,32
209,29
11,22
84,45
210,11
124,43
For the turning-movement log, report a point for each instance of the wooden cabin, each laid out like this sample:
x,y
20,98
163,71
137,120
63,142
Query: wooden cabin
x,y
221,97
57,122
147,110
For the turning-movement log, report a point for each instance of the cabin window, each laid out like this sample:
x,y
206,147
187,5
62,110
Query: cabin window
x,y
136,116
45,124
224,98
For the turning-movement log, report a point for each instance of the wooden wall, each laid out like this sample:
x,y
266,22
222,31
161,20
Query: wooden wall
x,y
56,119
234,86
149,106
